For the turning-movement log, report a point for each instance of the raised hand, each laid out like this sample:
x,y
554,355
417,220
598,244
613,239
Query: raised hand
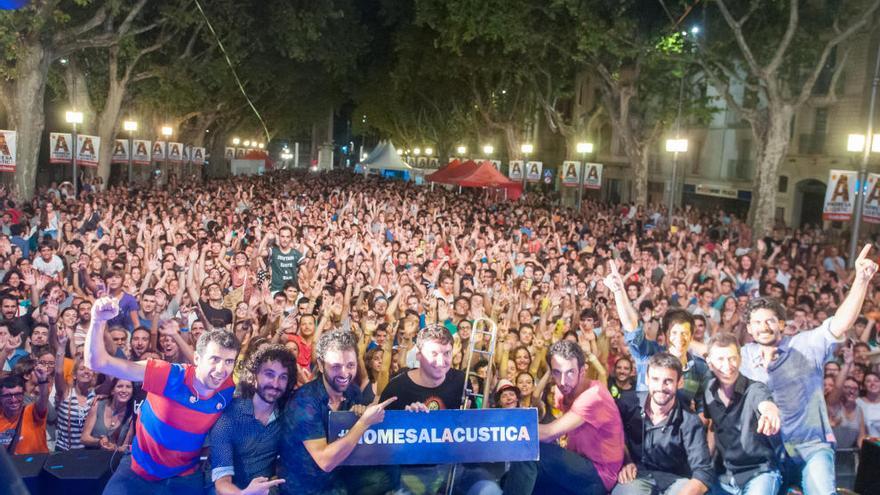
x,y
613,280
865,267
105,308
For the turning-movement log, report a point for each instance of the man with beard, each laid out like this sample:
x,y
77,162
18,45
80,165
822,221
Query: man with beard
x,y
183,403
308,463
678,326
246,439
792,368
594,453
666,443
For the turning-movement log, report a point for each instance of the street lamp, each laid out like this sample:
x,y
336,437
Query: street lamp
x,y
417,151
461,150
488,150
584,149
261,145
167,132
527,149
74,118
855,143
247,143
236,141
130,126
674,146
429,151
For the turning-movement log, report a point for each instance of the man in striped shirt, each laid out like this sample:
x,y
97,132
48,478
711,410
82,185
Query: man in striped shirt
x,y
183,403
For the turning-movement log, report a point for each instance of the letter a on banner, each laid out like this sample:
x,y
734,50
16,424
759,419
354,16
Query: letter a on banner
x,y
840,195
120,151
60,147
871,212
571,173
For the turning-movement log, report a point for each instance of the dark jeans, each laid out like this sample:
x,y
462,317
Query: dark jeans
x,y
559,471
126,482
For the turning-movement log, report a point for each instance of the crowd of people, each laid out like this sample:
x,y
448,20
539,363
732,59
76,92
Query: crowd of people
x,y
228,318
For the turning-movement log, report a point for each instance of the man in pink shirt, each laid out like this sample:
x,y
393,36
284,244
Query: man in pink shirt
x,y
594,449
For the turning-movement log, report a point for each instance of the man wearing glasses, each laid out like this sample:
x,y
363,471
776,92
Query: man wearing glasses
x,y
23,428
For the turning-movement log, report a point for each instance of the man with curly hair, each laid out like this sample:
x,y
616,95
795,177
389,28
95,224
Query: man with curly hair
x,y
246,439
309,464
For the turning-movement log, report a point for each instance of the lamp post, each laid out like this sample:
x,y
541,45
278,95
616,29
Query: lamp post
x,y
856,143
674,146
461,150
130,126
167,132
527,150
74,118
584,149
866,149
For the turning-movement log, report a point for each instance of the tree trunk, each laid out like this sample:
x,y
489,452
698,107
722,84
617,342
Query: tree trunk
x,y
78,94
763,208
108,124
513,136
218,166
26,114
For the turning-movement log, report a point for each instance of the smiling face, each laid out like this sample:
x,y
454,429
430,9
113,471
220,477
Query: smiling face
x,y
765,327
122,391
215,365
339,368
662,384
435,359
272,379
724,363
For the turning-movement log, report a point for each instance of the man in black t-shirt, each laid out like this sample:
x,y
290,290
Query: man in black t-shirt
x,y
434,385
212,307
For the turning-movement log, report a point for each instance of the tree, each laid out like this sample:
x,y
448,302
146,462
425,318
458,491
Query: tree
x,y
778,51
35,36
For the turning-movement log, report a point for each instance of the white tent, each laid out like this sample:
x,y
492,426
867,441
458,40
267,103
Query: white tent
x,y
375,152
384,157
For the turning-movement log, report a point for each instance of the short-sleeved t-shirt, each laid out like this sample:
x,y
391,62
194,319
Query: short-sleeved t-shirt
x,y
306,418
49,268
218,318
174,421
446,396
285,266
600,437
32,438
795,379
127,304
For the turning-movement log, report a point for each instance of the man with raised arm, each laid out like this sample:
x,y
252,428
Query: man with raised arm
x,y
793,367
183,402
679,327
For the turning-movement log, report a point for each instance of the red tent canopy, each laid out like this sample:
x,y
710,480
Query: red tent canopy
x,y
486,175
443,172
451,171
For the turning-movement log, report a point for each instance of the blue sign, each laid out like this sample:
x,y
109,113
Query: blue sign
x,y
443,437
12,4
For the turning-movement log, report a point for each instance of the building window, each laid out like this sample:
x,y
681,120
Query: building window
x,y
783,184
